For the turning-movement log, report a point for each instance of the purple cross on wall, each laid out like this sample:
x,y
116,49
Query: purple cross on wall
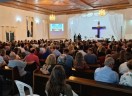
x,y
98,28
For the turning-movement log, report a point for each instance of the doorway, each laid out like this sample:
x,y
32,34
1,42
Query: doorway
x,y
9,36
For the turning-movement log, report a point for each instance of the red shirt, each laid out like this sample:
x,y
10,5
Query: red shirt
x,y
32,58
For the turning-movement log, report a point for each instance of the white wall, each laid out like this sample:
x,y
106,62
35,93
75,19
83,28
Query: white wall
x,y
8,18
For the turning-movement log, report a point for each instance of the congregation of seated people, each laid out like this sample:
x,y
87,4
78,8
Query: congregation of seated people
x,y
114,58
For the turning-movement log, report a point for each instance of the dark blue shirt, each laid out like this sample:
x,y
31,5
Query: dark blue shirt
x,y
90,58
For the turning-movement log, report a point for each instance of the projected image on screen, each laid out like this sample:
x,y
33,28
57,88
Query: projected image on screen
x,y
56,28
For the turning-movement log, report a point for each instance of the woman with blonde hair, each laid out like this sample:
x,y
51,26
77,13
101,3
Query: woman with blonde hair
x,y
50,63
56,85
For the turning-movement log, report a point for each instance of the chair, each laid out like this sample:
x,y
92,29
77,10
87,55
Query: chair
x,y
21,85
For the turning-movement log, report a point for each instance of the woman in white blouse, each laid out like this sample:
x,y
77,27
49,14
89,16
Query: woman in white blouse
x,y
126,78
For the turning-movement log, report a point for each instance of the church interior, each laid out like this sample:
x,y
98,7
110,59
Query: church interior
x,y
66,47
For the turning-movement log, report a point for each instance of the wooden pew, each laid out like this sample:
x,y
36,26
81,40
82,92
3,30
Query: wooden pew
x,y
89,87
94,66
84,87
11,74
89,74
39,82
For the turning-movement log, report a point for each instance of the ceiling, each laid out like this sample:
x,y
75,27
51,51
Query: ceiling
x,y
66,6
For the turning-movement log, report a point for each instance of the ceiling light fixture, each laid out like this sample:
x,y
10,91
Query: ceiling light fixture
x,y
52,17
102,12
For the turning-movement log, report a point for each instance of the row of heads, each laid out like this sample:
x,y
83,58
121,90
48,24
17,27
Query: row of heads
x,y
109,61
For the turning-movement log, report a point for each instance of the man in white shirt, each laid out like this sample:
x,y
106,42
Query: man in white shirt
x,y
126,78
123,67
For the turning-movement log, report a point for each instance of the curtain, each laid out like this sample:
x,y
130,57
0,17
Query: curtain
x,y
7,36
30,24
73,27
7,30
116,22
83,24
12,33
